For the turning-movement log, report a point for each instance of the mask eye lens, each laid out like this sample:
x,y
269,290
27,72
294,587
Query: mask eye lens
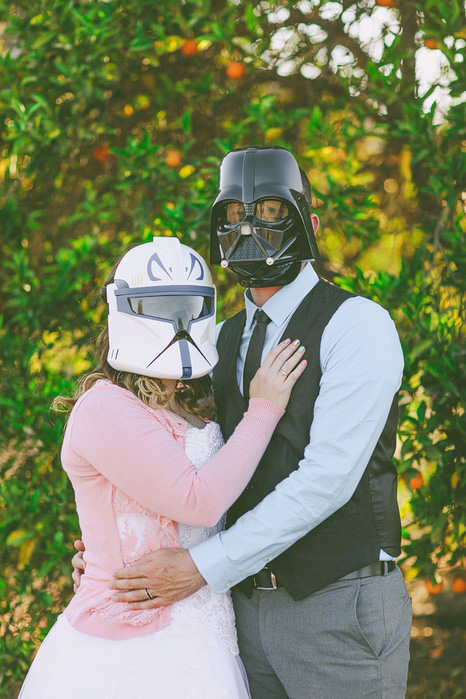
x,y
235,212
271,210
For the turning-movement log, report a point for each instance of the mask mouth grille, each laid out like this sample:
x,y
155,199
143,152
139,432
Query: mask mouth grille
x,y
247,249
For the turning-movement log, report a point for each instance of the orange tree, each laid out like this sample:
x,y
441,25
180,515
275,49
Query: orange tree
x,y
114,117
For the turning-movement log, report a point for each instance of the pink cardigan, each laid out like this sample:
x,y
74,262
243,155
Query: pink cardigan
x,y
122,456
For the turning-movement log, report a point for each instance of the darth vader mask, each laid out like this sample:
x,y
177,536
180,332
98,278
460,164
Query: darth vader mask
x,y
261,220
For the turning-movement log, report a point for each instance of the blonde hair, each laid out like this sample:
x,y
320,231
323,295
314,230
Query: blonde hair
x,y
194,396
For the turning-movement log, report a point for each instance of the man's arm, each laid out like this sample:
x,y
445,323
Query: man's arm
x,y
362,364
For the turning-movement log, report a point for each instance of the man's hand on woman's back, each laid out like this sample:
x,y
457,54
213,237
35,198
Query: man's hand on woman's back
x,y
79,564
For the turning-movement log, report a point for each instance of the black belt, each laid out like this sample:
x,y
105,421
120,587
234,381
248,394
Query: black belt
x,y
266,580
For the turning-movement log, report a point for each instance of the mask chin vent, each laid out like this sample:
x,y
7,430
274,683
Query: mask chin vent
x,y
247,267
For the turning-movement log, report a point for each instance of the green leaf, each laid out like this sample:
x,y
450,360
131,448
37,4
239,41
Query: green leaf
x,y
43,39
186,122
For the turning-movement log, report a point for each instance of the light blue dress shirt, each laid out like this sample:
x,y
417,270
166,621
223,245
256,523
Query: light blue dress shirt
x,y
362,364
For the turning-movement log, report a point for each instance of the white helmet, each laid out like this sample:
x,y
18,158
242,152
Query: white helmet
x,y
161,318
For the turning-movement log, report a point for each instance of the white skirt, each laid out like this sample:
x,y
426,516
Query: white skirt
x,y
163,665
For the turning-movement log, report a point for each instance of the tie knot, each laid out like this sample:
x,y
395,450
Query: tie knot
x,y
261,317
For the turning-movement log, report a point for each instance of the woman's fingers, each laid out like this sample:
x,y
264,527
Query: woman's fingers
x,y
297,371
285,354
270,381
287,367
273,354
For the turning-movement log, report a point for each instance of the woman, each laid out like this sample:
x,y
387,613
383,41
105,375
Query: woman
x,y
150,470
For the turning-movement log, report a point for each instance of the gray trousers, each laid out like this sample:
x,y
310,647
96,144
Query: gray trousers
x,y
349,640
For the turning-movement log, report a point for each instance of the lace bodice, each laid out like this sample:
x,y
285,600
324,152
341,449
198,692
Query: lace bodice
x,y
201,445
139,531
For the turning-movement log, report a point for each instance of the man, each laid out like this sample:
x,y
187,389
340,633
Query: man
x,y
310,549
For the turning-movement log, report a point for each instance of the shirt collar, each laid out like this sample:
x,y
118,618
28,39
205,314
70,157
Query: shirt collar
x,y
284,302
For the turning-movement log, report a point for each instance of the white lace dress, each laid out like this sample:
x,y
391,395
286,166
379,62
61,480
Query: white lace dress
x,y
195,657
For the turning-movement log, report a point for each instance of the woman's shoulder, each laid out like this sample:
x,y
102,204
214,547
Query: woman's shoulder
x,y
104,396
106,411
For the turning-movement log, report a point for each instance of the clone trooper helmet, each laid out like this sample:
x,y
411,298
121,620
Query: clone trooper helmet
x,y
161,320
261,219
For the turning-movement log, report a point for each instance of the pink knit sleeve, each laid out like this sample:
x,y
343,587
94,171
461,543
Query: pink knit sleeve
x,y
123,441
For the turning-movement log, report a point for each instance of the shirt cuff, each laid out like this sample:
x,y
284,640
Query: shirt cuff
x,y
214,565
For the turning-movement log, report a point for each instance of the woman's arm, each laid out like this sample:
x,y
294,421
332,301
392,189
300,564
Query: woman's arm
x,y
122,440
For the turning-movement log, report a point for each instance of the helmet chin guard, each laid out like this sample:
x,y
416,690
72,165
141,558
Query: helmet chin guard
x,y
161,320
261,220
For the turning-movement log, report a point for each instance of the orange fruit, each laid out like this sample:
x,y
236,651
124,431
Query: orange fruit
x,y
189,47
236,70
431,43
416,481
385,3
459,585
434,589
101,152
173,157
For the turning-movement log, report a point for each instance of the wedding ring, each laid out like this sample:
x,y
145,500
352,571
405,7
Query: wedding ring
x,y
149,595
283,371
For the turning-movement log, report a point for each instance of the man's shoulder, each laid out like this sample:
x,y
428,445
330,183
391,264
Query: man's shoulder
x,y
231,321
362,308
360,321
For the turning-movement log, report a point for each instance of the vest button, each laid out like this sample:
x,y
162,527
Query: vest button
x,y
249,487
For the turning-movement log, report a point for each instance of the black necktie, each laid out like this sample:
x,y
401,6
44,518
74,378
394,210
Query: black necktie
x,y
254,354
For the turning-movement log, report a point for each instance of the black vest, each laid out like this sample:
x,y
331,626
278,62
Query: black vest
x,y
351,537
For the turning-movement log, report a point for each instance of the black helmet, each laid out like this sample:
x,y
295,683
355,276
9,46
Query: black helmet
x,y
261,219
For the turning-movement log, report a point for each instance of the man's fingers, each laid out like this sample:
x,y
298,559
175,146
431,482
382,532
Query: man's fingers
x,y
130,572
132,596
79,546
128,584
137,599
149,604
153,555
78,563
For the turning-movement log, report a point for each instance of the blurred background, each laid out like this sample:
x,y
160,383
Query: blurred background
x,y
114,117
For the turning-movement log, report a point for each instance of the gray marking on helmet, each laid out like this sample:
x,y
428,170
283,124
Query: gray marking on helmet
x,y
121,284
187,339
174,290
185,359
155,258
195,259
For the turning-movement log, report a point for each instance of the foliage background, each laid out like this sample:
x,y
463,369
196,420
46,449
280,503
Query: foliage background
x,y
96,96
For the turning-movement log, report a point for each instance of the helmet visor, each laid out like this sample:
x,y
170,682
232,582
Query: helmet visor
x,y
178,307
182,310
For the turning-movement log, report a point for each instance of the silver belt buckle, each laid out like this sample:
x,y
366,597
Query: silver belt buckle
x,y
274,583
